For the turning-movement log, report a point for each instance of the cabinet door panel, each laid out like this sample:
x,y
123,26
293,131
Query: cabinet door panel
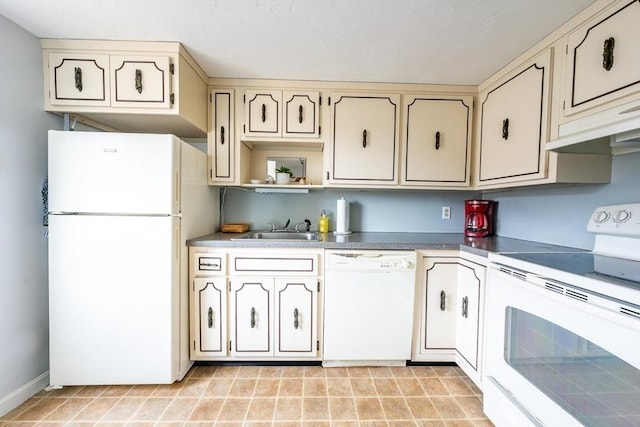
x,y
439,325
470,278
142,82
222,135
263,110
513,133
252,316
365,138
296,311
591,82
437,140
211,300
302,114
77,79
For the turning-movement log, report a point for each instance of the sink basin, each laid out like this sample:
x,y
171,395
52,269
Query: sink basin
x,y
275,235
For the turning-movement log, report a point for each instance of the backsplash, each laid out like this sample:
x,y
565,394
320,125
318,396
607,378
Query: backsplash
x,y
556,215
399,211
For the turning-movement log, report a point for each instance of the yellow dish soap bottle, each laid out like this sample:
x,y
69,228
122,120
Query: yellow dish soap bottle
x,y
323,224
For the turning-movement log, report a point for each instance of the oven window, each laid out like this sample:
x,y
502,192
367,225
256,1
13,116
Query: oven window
x,y
590,383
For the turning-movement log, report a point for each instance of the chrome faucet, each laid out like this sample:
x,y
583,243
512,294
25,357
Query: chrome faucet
x,y
306,224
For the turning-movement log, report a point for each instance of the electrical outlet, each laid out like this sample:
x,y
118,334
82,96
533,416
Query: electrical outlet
x,y
446,212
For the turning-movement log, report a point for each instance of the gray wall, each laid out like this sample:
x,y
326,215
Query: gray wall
x,y
402,211
24,326
559,215
548,214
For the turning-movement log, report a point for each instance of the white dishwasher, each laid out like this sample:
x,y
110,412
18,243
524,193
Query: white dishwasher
x,y
368,307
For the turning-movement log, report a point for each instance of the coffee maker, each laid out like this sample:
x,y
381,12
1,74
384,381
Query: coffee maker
x,y
479,217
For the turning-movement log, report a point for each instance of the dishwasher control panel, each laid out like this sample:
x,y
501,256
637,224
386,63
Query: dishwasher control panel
x,y
370,260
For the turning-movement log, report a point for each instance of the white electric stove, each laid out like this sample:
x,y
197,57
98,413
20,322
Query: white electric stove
x,y
562,341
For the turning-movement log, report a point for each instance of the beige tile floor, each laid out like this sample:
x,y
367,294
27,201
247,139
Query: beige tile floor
x,y
434,396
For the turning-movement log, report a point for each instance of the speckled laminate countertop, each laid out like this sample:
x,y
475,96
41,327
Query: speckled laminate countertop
x,y
394,241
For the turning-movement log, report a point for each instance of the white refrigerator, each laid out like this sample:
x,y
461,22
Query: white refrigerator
x,y
121,207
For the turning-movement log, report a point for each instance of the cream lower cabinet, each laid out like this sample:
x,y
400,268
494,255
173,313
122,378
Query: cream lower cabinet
x,y
273,317
449,311
469,315
249,305
365,141
208,304
209,296
437,141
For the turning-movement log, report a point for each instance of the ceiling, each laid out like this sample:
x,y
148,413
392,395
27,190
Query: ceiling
x,y
406,41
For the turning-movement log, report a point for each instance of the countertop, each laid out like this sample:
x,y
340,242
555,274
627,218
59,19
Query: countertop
x,y
481,246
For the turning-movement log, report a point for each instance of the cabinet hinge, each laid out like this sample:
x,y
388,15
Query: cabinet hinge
x,y
319,130
318,286
563,104
229,286
566,49
211,98
172,69
211,173
194,345
244,99
229,345
320,101
172,98
318,345
329,101
244,128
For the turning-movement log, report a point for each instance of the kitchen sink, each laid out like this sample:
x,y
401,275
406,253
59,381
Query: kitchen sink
x,y
279,235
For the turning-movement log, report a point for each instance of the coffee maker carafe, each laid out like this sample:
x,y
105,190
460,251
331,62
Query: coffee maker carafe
x,y
479,216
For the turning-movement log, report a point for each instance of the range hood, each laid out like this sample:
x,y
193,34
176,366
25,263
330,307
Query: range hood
x,y
615,131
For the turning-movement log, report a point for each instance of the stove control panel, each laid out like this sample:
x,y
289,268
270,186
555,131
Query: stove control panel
x,y
617,220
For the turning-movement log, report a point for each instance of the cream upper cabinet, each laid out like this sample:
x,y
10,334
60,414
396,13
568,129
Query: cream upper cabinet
x,y
301,114
365,139
514,125
286,114
154,87
263,113
79,79
140,81
221,142
603,59
437,141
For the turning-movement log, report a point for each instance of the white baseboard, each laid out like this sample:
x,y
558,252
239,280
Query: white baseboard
x,y
19,396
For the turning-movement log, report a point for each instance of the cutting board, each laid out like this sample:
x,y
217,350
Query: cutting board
x,y
234,228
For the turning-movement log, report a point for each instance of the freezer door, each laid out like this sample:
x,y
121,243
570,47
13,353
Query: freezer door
x,y
113,299
106,172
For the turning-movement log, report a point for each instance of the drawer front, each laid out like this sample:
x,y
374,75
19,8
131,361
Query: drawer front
x,y
209,264
281,264
604,59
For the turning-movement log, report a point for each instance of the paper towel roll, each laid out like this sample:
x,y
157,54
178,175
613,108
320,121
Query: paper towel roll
x,y
342,217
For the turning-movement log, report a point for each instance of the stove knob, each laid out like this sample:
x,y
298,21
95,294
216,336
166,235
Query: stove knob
x,y
621,216
600,217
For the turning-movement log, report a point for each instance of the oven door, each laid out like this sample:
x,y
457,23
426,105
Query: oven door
x,y
556,355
